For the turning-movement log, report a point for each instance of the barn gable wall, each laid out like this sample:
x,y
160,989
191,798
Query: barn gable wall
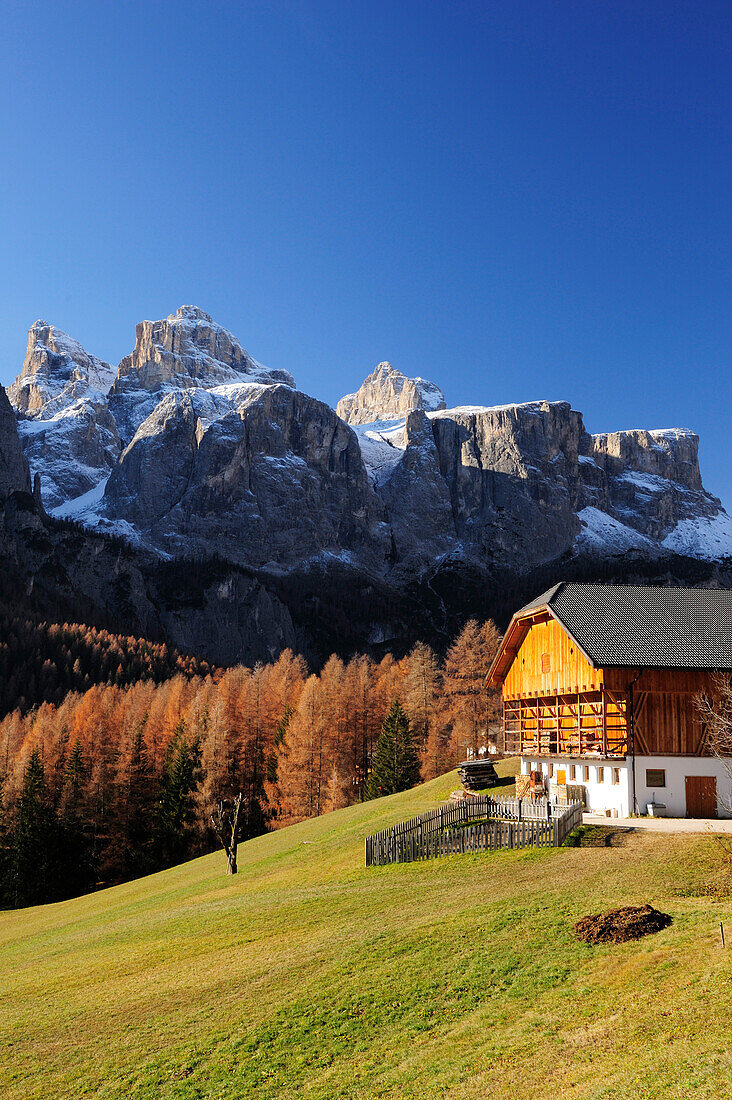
x,y
548,662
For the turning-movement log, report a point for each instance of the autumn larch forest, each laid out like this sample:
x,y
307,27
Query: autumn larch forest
x,y
118,771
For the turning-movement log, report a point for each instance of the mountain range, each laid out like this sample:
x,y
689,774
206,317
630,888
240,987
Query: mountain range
x,y
192,449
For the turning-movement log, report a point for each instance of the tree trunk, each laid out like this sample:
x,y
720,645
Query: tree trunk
x,y
226,827
234,843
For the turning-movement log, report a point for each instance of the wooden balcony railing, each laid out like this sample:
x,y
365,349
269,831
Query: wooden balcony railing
x,y
578,724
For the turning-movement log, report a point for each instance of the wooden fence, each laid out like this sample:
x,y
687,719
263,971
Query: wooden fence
x,y
498,823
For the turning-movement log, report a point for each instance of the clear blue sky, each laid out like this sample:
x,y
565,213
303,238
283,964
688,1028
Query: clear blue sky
x,y
516,199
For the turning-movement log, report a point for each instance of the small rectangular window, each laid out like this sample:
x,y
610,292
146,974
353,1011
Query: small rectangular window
x,y
600,775
545,663
551,771
572,772
586,774
655,777
616,776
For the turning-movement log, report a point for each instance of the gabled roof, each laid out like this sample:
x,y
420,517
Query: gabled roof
x,y
632,626
541,601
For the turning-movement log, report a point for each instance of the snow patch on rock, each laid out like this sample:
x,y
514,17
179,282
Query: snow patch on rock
x,y
708,537
535,408
382,448
186,350
603,534
82,508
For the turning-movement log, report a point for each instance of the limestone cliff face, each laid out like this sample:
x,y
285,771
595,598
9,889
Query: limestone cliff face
x,y
512,474
56,373
387,394
497,486
66,429
649,481
275,482
518,485
186,350
14,473
204,451
671,453
417,498
221,613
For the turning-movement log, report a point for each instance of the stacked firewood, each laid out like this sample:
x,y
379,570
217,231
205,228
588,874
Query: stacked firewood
x,y
477,774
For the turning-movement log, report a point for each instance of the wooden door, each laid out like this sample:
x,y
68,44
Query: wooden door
x,y
701,796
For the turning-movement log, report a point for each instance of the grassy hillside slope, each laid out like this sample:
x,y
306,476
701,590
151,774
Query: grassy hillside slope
x,y
308,975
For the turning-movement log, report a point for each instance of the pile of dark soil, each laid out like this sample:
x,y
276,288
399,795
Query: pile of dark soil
x,y
621,925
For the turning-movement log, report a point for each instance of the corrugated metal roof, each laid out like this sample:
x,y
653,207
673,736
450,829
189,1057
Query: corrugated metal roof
x,y
646,626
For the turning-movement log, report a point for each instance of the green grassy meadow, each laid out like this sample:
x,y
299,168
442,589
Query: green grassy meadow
x,y
308,975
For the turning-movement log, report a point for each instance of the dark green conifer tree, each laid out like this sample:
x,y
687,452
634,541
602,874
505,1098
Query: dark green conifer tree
x,y
6,859
395,766
176,808
34,840
76,869
279,737
136,800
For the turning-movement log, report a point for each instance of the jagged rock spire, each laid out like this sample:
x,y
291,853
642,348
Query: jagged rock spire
x,y
387,394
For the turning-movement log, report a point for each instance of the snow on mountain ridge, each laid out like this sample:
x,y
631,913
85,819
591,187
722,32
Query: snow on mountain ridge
x,y
56,372
66,430
186,350
199,425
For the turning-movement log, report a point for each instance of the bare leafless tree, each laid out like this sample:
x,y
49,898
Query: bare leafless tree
x,y
714,707
226,826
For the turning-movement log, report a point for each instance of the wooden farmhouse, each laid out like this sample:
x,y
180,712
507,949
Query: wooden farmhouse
x,y
599,686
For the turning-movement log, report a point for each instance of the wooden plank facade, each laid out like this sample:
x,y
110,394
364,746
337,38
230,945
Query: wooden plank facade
x,y
555,703
548,662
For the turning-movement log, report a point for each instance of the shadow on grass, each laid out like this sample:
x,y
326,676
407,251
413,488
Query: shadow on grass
x,y
597,836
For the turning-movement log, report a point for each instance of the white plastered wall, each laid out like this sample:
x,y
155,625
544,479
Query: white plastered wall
x,y
601,796
618,797
673,794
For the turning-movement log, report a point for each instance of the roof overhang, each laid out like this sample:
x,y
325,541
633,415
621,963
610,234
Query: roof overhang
x,y
518,628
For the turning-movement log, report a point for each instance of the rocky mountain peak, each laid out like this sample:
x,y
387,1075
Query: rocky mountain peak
x,y
199,449
185,350
66,430
190,313
57,371
387,394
